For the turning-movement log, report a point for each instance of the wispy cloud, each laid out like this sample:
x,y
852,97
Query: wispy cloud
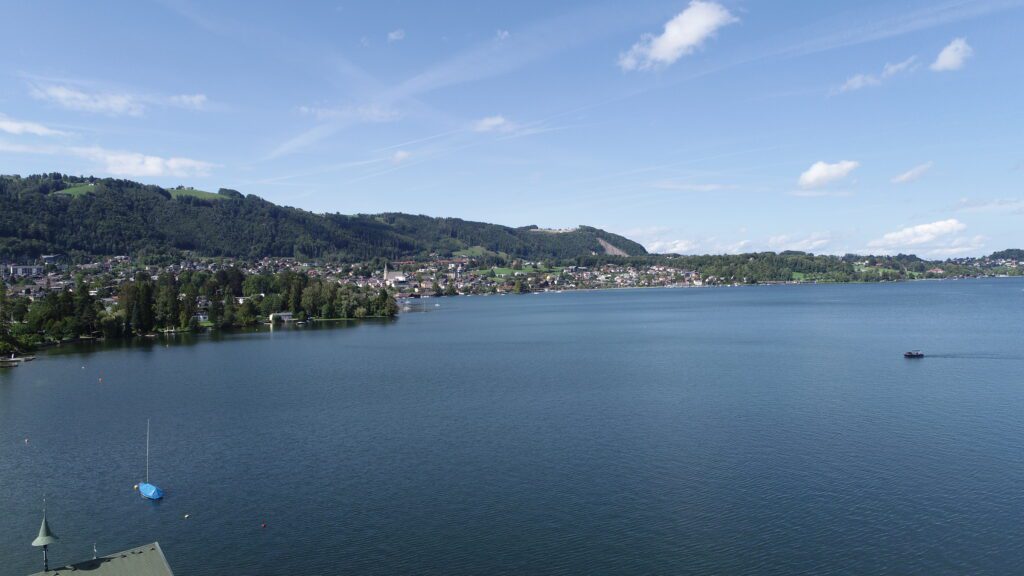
x,y
953,56
682,35
820,193
858,81
493,124
497,56
890,70
362,113
872,28
400,156
22,148
120,162
19,127
913,174
1001,205
396,35
190,101
822,173
691,187
112,103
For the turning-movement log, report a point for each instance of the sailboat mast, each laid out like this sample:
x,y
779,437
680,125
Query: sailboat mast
x,y
147,450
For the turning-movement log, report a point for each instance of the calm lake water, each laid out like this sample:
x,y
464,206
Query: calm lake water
x,y
761,430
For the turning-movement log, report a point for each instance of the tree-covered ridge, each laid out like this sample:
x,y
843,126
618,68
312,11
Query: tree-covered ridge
x,y
89,216
1012,254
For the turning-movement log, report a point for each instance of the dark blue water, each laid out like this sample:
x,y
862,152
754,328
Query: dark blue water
x,y
764,430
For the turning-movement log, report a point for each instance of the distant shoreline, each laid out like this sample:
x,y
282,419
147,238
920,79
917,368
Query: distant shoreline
x,y
49,348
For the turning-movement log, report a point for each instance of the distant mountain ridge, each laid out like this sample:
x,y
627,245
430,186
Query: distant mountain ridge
x,y
57,213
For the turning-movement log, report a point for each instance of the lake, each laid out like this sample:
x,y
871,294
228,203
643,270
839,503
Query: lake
x,y
755,430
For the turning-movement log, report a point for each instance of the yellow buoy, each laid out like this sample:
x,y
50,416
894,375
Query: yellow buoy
x,y
136,487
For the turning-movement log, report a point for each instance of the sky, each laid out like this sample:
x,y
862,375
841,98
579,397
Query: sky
x,y
703,126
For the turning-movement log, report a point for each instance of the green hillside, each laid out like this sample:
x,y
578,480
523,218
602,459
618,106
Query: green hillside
x,y
77,190
56,213
201,194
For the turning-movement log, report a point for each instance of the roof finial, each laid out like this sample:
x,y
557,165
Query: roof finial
x,y
45,537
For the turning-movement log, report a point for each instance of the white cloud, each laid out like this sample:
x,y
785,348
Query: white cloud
x,y
662,240
134,164
672,246
104,103
682,35
858,81
936,240
920,235
809,243
953,56
960,246
396,35
912,174
400,156
493,124
19,127
502,34
362,113
822,173
191,101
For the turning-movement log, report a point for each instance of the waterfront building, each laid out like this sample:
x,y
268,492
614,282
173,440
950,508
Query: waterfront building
x,y
147,560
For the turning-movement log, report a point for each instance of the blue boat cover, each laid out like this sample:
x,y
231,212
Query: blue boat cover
x,y
150,491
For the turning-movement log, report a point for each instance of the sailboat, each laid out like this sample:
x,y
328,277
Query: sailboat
x,y
148,490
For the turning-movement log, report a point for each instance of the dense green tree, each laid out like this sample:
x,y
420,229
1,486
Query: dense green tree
x,y
188,306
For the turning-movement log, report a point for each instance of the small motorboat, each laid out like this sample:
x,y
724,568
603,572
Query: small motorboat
x,y
913,354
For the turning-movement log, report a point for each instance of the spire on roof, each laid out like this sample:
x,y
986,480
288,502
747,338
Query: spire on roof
x,y
45,538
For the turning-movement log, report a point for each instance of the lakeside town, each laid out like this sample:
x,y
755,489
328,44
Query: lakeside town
x,y
437,277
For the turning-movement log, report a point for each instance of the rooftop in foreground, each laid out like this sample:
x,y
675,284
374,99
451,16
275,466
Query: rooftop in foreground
x,y
145,560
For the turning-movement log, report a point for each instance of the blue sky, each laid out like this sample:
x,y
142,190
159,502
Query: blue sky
x,y
695,127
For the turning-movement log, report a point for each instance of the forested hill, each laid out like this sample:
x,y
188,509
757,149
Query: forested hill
x,y
53,213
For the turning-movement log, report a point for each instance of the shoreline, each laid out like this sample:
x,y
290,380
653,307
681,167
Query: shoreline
x,y
48,348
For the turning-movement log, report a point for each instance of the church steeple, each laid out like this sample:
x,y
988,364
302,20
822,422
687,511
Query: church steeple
x,y
45,538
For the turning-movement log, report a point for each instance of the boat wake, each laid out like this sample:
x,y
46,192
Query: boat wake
x,y
978,356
